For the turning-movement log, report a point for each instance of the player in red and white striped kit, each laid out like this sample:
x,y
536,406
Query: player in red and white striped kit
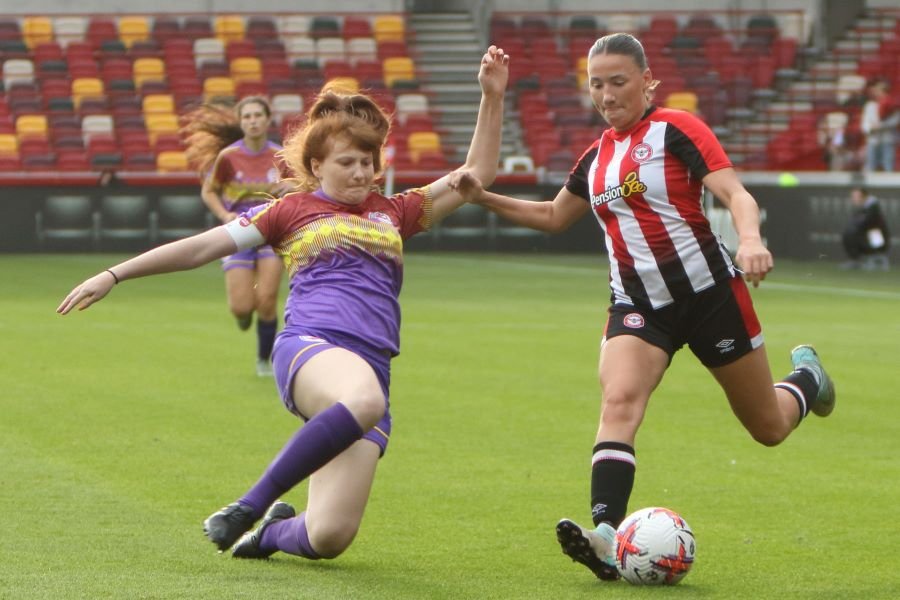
x,y
672,281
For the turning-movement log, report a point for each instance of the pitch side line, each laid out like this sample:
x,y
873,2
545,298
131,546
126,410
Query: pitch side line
x,y
792,287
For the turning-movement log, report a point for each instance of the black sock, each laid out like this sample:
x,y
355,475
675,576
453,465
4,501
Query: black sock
x,y
265,336
802,386
612,477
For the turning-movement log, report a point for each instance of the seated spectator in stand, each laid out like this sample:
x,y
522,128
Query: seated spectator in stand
x,y
866,237
880,116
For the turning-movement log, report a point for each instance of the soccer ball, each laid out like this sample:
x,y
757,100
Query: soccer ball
x,y
654,546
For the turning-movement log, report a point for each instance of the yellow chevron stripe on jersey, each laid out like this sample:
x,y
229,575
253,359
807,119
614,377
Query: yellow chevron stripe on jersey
x,y
337,232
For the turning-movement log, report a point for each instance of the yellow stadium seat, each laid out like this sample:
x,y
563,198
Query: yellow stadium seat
x,y
682,100
86,87
229,28
171,161
397,68
422,141
581,72
389,28
9,145
148,69
158,104
158,123
246,68
31,126
348,85
37,30
218,87
133,28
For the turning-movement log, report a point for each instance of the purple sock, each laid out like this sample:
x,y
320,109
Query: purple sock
x,y
288,536
325,436
265,337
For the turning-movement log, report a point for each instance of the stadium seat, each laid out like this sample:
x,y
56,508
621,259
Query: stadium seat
x,y
197,26
171,161
240,49
100,30
10,31
133,28
97,126
324,26
148,69
165,28
300,48
9,145
391,48
181,217
398,68
361,48
158,124
420,142
260,28
389,28
329,49
285,106
683,100
208,50
292,26
356,27
228,28
32,126
624,22
17,70
158,104
468,222
86,87
124,221
347,85
66,221
518,164
72,160
407,104
246,68
69,29
218,87
37,30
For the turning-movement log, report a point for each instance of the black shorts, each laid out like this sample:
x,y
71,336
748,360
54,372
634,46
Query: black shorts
x,y
718,324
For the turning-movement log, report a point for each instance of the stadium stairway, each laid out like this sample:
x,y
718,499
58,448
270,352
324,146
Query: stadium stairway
x,y
447,50
821,83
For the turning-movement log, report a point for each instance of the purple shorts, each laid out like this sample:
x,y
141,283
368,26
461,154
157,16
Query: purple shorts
x,y
246,259
292,351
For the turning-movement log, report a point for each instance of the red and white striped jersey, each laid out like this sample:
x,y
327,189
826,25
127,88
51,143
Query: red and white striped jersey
x,y
645,188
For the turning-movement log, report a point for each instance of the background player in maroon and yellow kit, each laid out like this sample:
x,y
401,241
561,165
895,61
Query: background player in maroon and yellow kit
x,y
230,148
342,241
672,281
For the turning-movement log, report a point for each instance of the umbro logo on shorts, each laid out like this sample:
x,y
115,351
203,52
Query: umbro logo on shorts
x,y
725,346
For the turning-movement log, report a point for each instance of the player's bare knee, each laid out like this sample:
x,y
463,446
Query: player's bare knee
x,y
620,409
768,437
331,539
367,406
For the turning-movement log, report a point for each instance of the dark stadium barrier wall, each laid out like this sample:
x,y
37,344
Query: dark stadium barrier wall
x,y
803,219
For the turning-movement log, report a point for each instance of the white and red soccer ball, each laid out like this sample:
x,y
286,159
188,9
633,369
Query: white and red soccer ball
x,y
654,546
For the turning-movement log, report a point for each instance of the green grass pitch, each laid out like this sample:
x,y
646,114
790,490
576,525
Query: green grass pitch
x,y
123,427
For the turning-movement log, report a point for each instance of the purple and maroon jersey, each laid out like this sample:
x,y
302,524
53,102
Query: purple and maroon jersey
x,y
345,262
645,189
242,177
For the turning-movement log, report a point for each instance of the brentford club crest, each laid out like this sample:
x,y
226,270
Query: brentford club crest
x,y
641,153
244,222
633,320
